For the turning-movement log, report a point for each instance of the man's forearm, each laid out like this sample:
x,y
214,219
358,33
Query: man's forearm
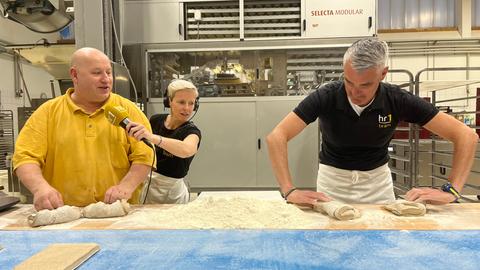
x,y
31,176
135,176
463,155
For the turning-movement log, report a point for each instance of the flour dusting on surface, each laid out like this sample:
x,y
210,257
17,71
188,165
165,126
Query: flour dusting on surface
x,y
226,213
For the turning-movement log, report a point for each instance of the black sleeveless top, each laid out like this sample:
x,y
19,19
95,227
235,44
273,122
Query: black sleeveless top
x,y
168,164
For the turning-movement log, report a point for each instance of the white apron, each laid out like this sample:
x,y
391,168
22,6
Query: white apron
x,y
372,187
166,190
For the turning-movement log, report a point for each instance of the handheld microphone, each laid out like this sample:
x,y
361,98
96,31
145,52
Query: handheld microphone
x,y
118,116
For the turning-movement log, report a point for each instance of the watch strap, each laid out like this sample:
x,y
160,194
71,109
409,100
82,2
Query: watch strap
x,y
448,187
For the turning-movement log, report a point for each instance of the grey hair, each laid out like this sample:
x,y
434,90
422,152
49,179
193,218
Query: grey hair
x,y
366,53
177,85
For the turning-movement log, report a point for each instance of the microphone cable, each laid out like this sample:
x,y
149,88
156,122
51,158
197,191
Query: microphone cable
x,y
150,177
155,158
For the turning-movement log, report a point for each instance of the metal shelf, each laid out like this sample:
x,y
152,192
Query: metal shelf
x,y
400,172
6,137
397,157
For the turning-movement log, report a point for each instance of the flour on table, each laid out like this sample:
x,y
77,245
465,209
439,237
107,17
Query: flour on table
x,y
226,213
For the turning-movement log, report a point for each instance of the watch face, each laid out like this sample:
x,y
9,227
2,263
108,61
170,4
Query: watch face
x,y
447,187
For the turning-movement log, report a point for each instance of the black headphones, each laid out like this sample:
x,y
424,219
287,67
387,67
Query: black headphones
x,y
166,101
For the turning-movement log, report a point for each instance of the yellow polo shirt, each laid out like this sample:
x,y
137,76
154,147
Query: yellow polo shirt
x,y
80,154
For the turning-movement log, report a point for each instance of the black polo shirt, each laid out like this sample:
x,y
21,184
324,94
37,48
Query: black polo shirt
x,y
355,142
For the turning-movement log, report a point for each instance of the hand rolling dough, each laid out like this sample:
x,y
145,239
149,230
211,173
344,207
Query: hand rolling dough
x,y
337,210
62,214
103,210
406,208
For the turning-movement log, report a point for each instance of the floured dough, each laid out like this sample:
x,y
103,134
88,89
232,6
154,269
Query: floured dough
x,y
103,210
62,214
337,210
406,208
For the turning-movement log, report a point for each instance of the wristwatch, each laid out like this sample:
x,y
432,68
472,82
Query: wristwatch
x,y
447,187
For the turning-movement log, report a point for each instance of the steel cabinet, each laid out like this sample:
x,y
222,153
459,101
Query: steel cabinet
x,y
233,153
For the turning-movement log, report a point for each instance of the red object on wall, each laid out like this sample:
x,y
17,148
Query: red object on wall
x,y
403,134
477,115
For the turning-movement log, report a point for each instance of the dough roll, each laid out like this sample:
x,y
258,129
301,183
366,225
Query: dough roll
x,y
406,208
62,214
338,210
102,210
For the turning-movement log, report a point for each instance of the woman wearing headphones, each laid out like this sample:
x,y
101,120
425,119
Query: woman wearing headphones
x,y
177,140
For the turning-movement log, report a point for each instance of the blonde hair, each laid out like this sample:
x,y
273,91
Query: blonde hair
x,y
177,85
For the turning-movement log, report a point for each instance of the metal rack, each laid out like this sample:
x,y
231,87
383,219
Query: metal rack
x,y
417,161
6,137
7,142
438,155
310,69
402,149
23,114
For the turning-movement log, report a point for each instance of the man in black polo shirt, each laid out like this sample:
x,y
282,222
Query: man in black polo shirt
x,y
358,117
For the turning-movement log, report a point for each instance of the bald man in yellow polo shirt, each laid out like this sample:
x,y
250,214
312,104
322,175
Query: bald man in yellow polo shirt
x,y
68,152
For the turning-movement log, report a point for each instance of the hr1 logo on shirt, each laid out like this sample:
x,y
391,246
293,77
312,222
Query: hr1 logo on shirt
x,y
385,121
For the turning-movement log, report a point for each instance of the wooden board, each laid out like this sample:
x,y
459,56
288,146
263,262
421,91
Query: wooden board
x,y
61,256
463,216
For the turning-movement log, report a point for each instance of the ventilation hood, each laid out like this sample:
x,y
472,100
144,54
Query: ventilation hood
x,y
40,16
54,58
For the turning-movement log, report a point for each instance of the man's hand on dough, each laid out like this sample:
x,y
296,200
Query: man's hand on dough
x,y
117,192
46,197
307,197
429,195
